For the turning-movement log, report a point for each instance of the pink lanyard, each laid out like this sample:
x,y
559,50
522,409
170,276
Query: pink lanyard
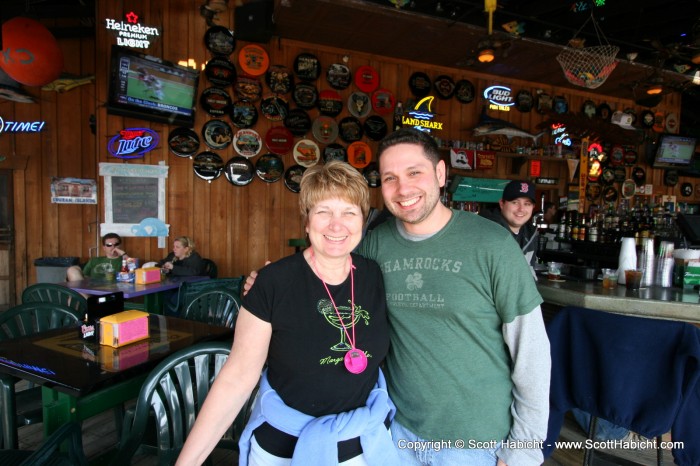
x,y
352,298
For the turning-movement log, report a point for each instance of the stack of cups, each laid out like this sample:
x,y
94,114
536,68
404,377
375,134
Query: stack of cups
x,y
627,259
646,262
664,265
681,258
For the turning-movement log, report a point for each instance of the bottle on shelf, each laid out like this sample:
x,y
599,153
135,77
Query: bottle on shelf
x,y
582,229
570,225
561,232
593,230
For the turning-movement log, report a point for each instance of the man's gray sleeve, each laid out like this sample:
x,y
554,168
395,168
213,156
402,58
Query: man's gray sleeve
x,y
528,344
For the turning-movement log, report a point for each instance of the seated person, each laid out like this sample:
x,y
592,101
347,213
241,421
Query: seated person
x,y
183,261
98,266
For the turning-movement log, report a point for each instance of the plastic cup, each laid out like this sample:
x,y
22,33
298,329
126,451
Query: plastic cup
x,y
609,278
554,270
633,279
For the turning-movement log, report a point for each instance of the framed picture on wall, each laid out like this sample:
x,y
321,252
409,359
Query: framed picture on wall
x,y
134,199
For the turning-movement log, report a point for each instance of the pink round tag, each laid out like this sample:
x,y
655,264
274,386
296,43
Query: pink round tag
x,y
356,360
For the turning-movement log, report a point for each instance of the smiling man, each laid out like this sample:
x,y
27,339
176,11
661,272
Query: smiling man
x,y
468,366
515,213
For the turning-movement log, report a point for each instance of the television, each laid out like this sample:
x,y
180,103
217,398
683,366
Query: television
x,y
674,151
146,87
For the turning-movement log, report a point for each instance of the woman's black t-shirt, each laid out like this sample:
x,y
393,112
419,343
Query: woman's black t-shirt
x,y
305,359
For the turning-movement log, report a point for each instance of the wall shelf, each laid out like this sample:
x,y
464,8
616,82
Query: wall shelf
x,y
518,159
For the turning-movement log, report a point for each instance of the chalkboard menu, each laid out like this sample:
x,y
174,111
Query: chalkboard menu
x,y
134,198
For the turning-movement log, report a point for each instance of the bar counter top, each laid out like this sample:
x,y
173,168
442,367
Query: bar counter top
x,y
654,301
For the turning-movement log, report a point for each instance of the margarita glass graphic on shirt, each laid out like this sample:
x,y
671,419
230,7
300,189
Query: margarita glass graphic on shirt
x,y
325,307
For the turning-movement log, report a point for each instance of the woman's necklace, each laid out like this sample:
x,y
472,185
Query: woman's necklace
x,y
355,359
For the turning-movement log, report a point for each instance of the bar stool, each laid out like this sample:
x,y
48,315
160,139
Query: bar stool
x,y
297,243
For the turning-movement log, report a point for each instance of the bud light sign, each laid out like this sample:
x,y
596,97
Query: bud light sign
x,y
499,97
132,143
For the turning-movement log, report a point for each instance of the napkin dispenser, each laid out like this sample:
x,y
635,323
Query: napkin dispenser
x,y
99,306
123,328
147,275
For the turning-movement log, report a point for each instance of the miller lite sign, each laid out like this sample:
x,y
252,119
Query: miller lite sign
x,y
132,143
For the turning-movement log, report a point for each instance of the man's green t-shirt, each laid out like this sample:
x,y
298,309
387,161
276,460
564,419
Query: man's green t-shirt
x,y
448,368
97,266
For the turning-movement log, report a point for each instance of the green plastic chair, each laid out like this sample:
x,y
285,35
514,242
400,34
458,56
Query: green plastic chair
x,y
72,454
217,306
24,407
188,290
169,402
210,268
53,293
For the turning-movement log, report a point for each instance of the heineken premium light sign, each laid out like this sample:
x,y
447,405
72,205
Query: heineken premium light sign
x,y
131,33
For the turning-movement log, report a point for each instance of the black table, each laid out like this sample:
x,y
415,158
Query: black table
x,y
81,379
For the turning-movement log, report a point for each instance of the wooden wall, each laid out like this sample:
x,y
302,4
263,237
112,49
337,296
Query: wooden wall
x,y
238,227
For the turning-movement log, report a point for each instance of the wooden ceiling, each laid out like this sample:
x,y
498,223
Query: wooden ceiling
x,y
377,27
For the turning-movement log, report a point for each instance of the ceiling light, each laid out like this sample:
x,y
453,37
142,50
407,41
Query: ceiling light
x,y
696,78
486,55
655,89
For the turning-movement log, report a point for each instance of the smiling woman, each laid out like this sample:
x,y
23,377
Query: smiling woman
x,y
335,333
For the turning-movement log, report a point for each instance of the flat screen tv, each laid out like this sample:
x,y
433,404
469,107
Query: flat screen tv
x,y
146,87
674,151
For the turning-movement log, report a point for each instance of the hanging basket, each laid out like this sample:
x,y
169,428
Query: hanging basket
x,y
588,67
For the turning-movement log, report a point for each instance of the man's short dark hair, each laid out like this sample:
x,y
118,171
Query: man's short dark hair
x,y
411,136
108,236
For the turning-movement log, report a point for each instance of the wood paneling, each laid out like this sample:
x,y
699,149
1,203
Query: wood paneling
x,y
238,227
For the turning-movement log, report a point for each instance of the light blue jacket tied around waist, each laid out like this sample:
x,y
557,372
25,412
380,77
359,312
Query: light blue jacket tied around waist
x,y
319,436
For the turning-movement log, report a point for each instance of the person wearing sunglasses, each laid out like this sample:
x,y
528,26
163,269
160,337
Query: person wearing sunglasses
x,y
96,267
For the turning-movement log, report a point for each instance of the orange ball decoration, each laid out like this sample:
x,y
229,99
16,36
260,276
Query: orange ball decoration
x,y
30,54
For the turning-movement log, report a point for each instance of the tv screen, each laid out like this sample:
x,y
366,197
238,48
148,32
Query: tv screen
x,y
674,150
151,89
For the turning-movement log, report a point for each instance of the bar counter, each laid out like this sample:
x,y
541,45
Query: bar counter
x,y
654,301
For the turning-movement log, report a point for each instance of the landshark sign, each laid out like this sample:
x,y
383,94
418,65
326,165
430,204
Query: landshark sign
x,y
421,117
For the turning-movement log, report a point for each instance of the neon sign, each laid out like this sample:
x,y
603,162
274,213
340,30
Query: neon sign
x,y
499,97
132,143
421,116
21,126
560,134
25,366
132,33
